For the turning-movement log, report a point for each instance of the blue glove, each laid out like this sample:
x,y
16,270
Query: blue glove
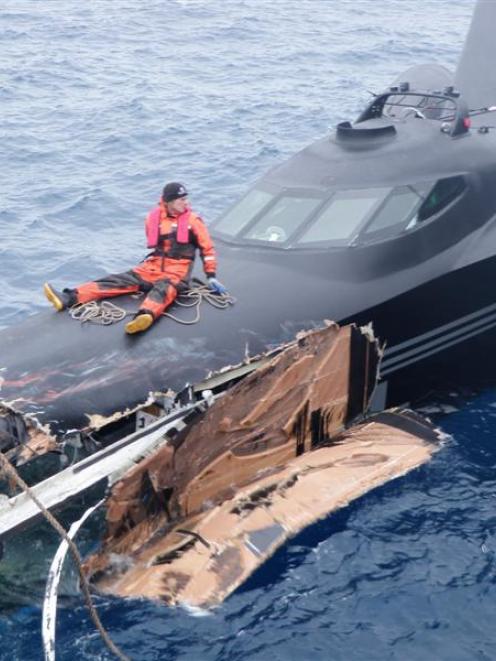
x,y
216,286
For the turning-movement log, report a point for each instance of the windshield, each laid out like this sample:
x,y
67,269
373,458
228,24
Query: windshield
x,y
343,215
262,216
397,213
282,219
243,212
341,218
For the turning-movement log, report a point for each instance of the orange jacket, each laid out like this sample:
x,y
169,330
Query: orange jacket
x,y
166,242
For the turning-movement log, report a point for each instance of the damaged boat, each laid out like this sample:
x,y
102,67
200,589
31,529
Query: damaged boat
x,y
278,451
389,220
353,358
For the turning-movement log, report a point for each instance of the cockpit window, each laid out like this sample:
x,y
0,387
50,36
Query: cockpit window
x,y
280,220
345,217
397,212
243,212
443,192
345,212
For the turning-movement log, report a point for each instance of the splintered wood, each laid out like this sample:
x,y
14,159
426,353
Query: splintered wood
x,y
190,523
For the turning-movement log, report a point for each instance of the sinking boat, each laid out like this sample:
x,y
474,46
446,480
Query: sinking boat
x,y
389,220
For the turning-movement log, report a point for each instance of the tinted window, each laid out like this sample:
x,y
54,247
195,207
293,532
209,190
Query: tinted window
x,y
343,215
443,192
396,212
246,209
282,219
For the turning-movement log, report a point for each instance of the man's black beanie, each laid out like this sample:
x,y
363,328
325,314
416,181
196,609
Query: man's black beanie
x,y
173,191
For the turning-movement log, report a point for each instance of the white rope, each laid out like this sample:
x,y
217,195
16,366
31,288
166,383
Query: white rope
x,y
98,312
106,313
49,617
195,295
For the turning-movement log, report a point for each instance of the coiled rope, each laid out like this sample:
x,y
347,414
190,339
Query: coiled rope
x,y
98,312
106,312
11,472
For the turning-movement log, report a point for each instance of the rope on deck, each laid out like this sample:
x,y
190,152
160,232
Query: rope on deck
x,y
106,313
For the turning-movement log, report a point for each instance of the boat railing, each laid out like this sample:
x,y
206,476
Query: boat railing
x,y
399,102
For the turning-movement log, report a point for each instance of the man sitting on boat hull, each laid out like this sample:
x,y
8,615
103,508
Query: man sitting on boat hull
x,y
174,232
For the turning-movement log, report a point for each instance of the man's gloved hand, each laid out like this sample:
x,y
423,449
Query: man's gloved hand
x,y
216,286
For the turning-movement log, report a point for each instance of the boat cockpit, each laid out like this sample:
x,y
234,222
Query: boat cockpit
x,y
299,219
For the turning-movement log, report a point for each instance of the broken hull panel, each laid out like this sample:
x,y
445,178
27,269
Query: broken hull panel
x,y
206,557
193,520
304,395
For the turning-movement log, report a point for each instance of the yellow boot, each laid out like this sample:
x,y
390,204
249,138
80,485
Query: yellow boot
x,y
59,299
141,322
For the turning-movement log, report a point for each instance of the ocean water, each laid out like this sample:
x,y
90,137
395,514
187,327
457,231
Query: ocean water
x,y
104,101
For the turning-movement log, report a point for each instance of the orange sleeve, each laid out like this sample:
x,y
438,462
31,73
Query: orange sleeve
x,y
205,243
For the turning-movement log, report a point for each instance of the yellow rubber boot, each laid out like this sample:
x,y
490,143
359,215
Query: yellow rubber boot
x,y
57,299
139,324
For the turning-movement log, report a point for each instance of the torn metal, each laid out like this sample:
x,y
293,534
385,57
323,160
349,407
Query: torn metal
x,y
192,521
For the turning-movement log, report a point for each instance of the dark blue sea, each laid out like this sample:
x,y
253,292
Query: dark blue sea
x,y
102,102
